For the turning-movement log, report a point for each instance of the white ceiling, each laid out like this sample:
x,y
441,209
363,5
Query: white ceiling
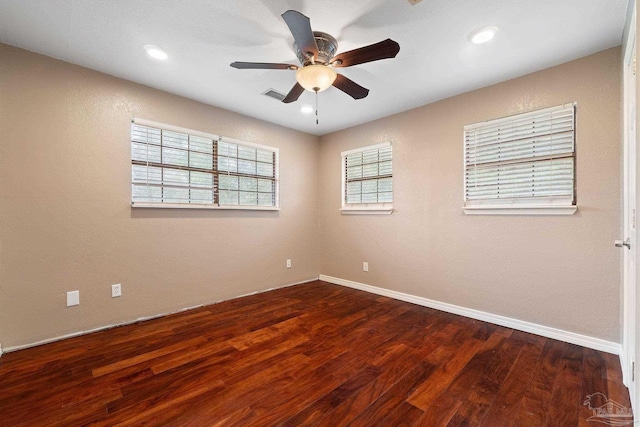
x,y
202,37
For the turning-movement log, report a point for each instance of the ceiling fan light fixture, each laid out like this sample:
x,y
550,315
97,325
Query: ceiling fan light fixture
x,y
316,77
483,34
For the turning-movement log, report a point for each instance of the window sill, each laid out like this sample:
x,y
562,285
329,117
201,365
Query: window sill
x,y
520,210
366,211
196,206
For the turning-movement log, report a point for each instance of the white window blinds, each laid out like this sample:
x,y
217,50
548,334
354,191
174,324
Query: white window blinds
x,y
527,159
368,177
174,167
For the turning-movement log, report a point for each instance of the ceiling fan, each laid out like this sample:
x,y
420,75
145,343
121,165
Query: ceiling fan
x,y
317,54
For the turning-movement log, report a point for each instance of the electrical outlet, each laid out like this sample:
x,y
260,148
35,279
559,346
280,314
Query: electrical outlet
x,y
365,266
116,290
288,263
73,298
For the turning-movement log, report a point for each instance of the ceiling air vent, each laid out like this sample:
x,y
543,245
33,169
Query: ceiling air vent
x,y
272,93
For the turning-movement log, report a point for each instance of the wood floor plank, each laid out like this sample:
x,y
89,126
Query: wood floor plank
x,y
535,403
474,411
313,412
567,388
506,404
139,358
243,393
240,417
214,354
477,404
615,388
427,392
394,364
445,406
162,407
312,354
395,396
259,336
404,414
440,412
594,380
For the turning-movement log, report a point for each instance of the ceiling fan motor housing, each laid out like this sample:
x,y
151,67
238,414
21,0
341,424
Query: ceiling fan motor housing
x,y
327,48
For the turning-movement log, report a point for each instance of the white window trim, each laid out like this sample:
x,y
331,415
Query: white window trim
x,y
366,211
543,206
172,128
368,147
520,210
178,129
361,208
202,206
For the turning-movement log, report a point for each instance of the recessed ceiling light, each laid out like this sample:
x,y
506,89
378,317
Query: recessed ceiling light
x,y
156,52
482,35
306,109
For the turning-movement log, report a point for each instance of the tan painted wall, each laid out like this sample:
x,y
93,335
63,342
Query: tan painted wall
x,y
557,271
66,221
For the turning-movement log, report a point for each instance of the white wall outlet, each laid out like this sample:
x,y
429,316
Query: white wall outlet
x,y
116,290
288,263
73,298
365,266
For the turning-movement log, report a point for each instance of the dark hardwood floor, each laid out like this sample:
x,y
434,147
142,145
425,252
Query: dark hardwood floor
x,y
312,354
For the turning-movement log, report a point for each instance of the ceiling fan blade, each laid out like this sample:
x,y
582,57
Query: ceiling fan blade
x,y
262,66
293,94
381,50
350,87
300,27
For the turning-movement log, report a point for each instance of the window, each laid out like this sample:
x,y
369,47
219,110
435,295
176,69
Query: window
x,y
523,164
177,168
367,180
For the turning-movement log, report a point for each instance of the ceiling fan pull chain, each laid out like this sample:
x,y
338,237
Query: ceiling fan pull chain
x,y
317,107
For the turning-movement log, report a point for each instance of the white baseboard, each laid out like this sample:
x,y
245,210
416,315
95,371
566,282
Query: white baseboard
x,y
521,325
140,319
